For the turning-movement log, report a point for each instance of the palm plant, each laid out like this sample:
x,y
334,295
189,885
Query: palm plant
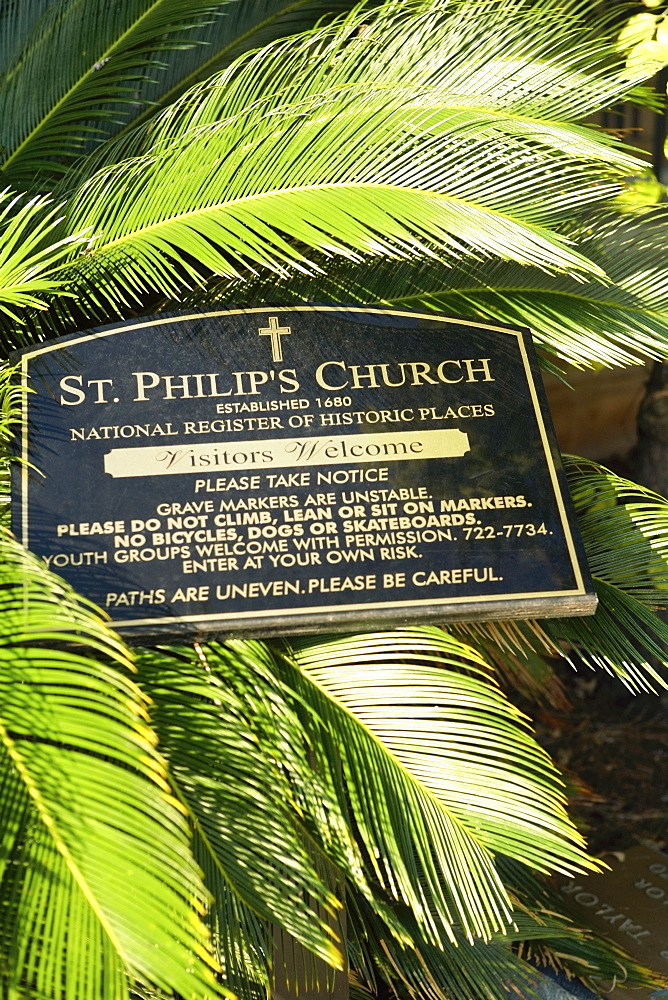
x,y
174,817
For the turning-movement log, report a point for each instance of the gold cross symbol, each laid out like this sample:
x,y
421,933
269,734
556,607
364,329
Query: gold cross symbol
x,y
275,332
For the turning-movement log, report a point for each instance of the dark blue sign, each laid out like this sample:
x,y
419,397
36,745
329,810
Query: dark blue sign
x,y
284,469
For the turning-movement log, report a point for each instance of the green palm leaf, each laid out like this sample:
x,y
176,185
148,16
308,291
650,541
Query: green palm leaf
x,y
624,528
451,971
29,259
77,68
265,817
624,638
225,727
547,58
426,804
12,395
517,63
96,878
399,686
241,26
545,935
241,940
490,970
619,321
520,652
239,175
624,532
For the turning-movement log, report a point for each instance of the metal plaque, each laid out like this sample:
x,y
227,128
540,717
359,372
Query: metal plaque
x,y
269,470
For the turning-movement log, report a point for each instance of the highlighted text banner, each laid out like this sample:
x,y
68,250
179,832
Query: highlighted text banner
x,y
282,453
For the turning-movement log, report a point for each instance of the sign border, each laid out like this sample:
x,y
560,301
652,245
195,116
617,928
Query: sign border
x,y
324,611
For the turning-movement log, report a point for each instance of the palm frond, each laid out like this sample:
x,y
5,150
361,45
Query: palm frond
x,y
17,20
313,815
95,869
582,954
12,394
520,651
624,638
422,792
619,321
624,532
451,971
29,258
549,935
76,69
241,940
624,528
225,726
516,62
267,816
239,175
242,25
405,684
550,59
541,935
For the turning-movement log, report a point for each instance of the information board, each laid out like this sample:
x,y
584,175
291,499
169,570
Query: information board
x,y
266,470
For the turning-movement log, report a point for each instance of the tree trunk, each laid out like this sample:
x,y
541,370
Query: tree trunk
x,y
649,458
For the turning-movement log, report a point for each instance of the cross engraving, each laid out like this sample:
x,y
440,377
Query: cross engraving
x,y
275,332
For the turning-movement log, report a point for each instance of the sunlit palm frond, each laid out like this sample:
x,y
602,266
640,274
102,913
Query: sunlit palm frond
x,y
12,394
241,25
313,815
418,851
624,527
546,59
449,971
541,935
451,967
251,774
529,67
95,871
620,321
624,638
520,651
225,727
431,702
425,754
534,67
238,176
76,68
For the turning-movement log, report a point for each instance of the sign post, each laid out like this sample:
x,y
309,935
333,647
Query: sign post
x,y
273,470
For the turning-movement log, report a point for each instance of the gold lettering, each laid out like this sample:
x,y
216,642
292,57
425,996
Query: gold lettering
x,y
441,375
320,374
483,366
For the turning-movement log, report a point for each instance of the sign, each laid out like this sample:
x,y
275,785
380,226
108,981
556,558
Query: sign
x,y
290,469
630,905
